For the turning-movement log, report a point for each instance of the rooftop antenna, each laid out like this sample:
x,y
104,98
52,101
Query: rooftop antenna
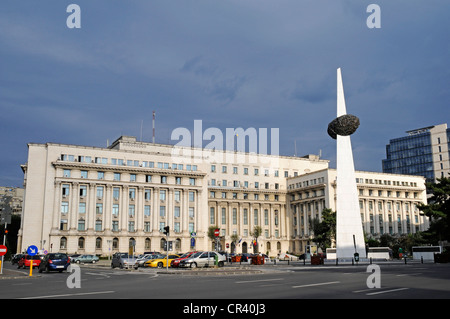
x,y
153,140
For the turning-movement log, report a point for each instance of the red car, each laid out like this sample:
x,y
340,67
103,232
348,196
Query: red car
x,y
27,259
176,262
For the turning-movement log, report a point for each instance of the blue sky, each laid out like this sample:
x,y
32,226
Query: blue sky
x,y
229,63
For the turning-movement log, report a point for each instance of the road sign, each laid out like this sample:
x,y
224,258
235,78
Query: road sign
x,y
32,250
3,250
217,232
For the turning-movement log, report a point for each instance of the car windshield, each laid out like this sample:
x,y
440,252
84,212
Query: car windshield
x,y
58,256
196,254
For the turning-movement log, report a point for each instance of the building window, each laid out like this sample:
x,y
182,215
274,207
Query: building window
x,y
82,208
162,211
98,243
117,176
147,194
63,243
64,207
115,210
99,208
211,216
99,192
98,225
147,210
131,209
81,225
115,225
65,190
63,224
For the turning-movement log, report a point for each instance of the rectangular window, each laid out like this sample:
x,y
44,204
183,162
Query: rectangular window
x,y
99,208
132,193
212,216
98,225
99,192
162,195
116,193
176,212
147,194
131,209
224,216
66,173
115,210
65,190
162,211
147,210
82,208
191,212
63,224
64,207
115,225
83,190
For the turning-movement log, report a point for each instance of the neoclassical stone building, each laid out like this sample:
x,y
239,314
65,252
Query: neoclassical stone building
x,y
388,203
81,199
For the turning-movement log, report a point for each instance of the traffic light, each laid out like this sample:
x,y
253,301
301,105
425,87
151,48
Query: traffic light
x,y
166,230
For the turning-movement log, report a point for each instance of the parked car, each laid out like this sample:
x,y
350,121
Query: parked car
x,y
54,261
15,258
85,259
27,260
160,261
176,262
142,260
203,259
123,260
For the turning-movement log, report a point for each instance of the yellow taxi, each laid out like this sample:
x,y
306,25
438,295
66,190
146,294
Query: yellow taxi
x,y
160,261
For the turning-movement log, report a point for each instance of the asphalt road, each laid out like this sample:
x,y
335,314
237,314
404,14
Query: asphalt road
x,y
281,282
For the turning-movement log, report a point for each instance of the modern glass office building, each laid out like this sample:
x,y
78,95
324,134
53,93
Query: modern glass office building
x,y
422,152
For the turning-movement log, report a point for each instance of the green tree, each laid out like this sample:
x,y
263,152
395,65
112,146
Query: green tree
x,y
325,229
438,210
257,231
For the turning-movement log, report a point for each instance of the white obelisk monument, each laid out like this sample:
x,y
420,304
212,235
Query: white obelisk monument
x,y
349,231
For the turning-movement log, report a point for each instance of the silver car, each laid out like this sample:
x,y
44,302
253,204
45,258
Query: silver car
x,y
203,259
123,260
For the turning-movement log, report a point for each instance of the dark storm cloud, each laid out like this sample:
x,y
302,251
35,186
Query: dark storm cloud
x,y
232,63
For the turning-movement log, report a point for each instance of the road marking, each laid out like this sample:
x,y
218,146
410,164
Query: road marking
x,y
250,281
69,295
415,274
317,284
385,291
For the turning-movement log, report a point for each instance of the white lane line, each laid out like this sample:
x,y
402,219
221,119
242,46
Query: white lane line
x,y
250,281
70,295
318,284
385,291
